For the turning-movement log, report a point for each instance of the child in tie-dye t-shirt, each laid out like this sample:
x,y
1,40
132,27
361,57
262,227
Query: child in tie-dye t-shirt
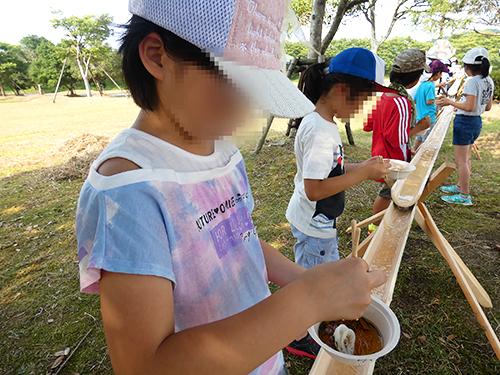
x,y
164,227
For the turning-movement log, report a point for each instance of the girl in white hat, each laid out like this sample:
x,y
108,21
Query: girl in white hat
x,y
477,98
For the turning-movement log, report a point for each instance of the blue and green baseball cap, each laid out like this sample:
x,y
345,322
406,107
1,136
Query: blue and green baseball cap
x,y
363,63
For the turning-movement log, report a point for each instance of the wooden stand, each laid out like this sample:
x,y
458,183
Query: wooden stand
x,y
383,249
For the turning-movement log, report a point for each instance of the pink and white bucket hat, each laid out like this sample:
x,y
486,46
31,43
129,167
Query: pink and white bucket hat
x,y
243,38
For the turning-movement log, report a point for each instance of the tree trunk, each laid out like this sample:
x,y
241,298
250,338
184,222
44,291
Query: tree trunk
x,y
97,81
374,42
342,8
348,131
71,90
99,86
2,89
40,89
82,72
318,13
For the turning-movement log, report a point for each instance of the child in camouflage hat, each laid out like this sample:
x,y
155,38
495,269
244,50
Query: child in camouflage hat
x,y
393,119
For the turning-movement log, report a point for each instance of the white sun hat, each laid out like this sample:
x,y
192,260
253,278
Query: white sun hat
x,y
475,56
243,39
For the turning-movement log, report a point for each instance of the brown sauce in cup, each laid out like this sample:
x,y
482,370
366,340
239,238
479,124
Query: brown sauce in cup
x,y
368,339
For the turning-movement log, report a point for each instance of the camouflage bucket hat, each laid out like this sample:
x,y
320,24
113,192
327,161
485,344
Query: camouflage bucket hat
x,y
410,60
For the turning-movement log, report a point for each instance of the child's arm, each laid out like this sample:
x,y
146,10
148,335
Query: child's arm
x,y
468,106
489,105
281,270
138,317
320,189
429,102
422,124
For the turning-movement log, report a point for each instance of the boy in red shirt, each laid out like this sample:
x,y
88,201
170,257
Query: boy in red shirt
x,y
393,119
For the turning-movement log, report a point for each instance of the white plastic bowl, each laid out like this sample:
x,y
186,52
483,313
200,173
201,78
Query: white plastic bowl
x,y
387,325
400,169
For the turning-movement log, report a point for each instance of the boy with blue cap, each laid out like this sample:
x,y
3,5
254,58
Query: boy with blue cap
x,y
338,90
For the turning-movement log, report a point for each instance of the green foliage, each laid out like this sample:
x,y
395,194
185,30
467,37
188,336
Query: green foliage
x,y
29,44
303,10
13,67
466,41
495,75
89,30
387,51
47,68
440,16
296,49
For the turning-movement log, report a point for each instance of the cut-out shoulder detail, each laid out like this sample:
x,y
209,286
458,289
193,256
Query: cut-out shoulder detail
x,y
115,166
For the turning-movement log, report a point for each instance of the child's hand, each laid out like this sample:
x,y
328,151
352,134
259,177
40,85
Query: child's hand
x,y
442,102
342,289
373,169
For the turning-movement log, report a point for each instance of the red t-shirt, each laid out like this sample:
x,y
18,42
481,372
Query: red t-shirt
x,y
390,122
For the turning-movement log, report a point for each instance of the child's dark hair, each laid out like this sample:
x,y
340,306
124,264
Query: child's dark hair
x,y
141,83
316,81
405,79
483,68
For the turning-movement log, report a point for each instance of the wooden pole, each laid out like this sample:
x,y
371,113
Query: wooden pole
x,y
364,245
264,134
437,178
263,137
60,76
368,221
478,311
478,290
476,150
111,78
356,232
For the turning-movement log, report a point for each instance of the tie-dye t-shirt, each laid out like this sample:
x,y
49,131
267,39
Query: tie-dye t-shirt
x,y
183,217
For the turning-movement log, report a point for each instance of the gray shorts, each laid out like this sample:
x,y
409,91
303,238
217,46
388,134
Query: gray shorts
x,y
385,192
423,138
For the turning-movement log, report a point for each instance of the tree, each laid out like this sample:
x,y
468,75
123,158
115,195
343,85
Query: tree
x,y
439,16
13,68
402,8
296,49
465,41
47,67
86,34
29,44
330,12
108,59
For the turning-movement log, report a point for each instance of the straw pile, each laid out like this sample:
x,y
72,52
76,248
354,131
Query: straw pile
x,y
80,152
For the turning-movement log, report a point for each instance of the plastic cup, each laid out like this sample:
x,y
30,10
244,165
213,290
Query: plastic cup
x,y
387,324
400,169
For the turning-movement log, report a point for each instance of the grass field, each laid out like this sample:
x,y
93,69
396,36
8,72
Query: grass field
x,y
42,310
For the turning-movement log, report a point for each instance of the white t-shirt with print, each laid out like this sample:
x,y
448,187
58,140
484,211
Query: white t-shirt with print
x,y
482,89
319,152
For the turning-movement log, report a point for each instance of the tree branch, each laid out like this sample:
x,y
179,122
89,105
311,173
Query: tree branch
x,y
343,7
395,17
486,34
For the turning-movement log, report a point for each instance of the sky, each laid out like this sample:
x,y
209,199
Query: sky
x,y
36,16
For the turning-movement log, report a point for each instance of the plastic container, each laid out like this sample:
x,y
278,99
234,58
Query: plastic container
x,y
387,324
400,169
